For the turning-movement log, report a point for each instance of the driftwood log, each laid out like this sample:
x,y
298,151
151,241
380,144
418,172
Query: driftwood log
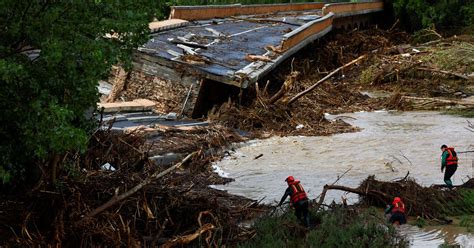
x,y
429,100
455,74
324,79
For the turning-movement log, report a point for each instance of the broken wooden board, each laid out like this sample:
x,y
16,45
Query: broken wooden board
x,y
159,128
166,25
137,105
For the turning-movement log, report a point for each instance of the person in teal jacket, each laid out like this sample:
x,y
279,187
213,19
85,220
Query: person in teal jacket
x,y
449,160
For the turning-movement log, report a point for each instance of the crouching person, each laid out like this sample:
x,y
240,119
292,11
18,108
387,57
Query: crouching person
x,y
298,199
397,211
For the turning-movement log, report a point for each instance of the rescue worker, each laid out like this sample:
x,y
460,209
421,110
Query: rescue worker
x,y
298,199
397,211
449,160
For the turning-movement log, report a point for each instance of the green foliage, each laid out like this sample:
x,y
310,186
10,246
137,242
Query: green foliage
x,y
467,112
368,75
418,14
447,245
52,54
457,57
420,222
468,222
464,205
72,171
424,35
360,230
270,232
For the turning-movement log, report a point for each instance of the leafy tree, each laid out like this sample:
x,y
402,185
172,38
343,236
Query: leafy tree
x,y
52,54
444,14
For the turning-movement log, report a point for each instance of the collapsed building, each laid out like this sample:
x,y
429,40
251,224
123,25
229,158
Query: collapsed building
x,y
202,55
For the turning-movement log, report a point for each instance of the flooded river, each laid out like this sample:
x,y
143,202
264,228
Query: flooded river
x,y
389,145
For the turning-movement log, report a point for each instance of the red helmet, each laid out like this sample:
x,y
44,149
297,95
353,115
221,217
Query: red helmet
x,y
290,179
396,200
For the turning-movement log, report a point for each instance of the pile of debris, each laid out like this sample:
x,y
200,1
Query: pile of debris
x,y
432,203
276,104
131,202
430,75
279,119
129,86
163,139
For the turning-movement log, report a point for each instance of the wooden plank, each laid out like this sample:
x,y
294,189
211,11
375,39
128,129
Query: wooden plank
x,y
298,35
166,25
222,11
348,9
137,105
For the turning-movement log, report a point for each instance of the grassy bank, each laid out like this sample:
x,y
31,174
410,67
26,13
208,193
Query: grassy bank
x,y
467,112
361,228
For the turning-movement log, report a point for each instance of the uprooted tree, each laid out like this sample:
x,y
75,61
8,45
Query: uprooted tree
x,y
52,55
426,202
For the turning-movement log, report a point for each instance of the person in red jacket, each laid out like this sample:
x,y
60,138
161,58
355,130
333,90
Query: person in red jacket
x,y
298,199
397,211
449,160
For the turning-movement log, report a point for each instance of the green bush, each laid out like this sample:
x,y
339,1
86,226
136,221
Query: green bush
x,y
364,229
445,14
457,57
420,222
368,75
52,55
464,205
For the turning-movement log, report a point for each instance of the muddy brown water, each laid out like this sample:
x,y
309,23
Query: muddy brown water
x,y
390,145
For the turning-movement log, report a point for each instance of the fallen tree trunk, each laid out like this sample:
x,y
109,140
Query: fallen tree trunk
x,y
427,202
351,190
431,100
324,79
459,75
